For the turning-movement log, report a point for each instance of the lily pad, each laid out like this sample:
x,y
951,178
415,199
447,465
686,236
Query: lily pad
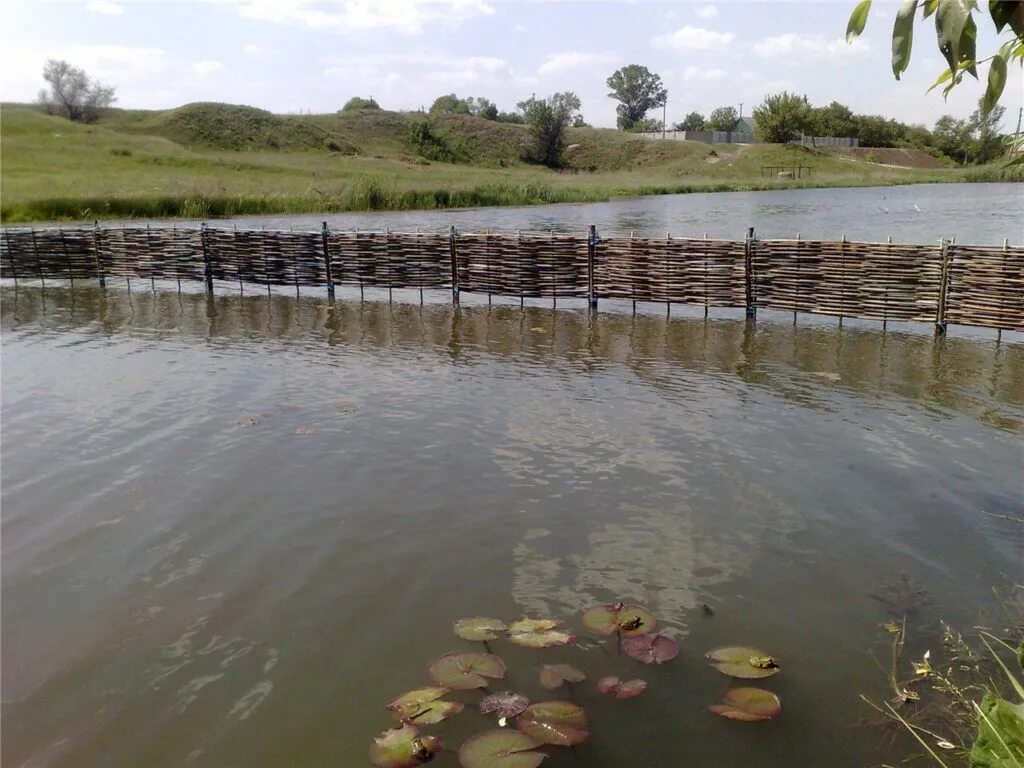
x,y
504,704
554,675
538,633
743,662
500,749
650,649
404,748
424,706
463,671
608,684
630,688
605,620
561,723
479,628
748,705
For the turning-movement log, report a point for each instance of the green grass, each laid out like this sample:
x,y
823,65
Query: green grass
x,y
220,160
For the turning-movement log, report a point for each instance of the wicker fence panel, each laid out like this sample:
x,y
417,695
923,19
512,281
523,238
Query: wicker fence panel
x,y
681,270
530,265
985,287
877,281
266,257
391,259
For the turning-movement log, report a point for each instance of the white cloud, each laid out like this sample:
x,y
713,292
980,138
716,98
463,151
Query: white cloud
x,y
408,16
255,51
570,60
105,7
703,74
207,67
427,74
694,39
707,12
792,45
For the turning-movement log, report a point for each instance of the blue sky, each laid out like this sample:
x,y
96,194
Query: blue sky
x,y
313,55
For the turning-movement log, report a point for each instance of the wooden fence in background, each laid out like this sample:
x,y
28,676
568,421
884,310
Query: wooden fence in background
x,y
942,283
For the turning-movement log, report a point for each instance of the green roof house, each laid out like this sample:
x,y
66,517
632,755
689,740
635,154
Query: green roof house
x,y
743,125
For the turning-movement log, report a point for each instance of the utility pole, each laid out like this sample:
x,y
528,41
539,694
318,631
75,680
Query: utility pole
x,y
1020,114
664,111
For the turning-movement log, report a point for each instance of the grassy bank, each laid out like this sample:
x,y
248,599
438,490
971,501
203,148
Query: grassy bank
x,y
212,160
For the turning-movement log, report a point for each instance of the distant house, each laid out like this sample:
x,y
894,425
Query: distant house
x,y
743,125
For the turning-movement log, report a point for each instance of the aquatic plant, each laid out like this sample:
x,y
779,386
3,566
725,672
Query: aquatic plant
x,y
560,723
505,705
538,633
626,690
404,747
479,628
650,649
605,620
464,671
423,706
743,662
554,675
748,705
500,749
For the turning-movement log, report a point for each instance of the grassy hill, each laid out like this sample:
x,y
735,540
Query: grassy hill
x,y
208,159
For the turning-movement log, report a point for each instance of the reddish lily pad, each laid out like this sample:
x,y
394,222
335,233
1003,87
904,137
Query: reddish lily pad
x,y
608,684
650,649
463,671
554,675
479,628
748,705
404,748
505,704
423,706
561,723
500,749
743,662
538,633
630,688
606,620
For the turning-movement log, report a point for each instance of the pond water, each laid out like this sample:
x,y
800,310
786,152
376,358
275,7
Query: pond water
x,y
233,528
981,214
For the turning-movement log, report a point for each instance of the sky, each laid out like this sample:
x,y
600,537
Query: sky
x,y
313,55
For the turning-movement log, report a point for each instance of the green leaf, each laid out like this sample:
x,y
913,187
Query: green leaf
x,y
996,82
858,19
739,661
929,7
748,705
1000,742
940,80
463,671
968,47
500,749
479,628
903,38
950,19
403,748
560,723
1008,12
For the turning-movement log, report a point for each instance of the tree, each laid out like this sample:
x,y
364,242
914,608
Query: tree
x,y
834,120
693,122
449,104
357,102
781,118
647,125
637,90
988,141
878,131
953,137
722,119
957,35
73,94
515,118
481,107
548,120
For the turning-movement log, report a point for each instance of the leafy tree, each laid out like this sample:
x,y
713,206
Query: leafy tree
x,y
693,122
548,120
481,107
878,131
428,144
72,93
782,117
510,117
988,143
637,90
357,102
834,120
722,119
646,125
449,104
953,137
579,122
957,35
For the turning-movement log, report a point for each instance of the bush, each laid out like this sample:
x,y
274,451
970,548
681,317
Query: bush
x,y
357,102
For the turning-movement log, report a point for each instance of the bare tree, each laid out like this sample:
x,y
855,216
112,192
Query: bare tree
x,y
73,94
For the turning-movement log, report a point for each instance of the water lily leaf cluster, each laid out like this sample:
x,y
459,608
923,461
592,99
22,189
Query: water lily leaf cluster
x,y
746,663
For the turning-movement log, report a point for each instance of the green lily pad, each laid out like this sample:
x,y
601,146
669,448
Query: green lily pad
x,y
743,662
500,749
538,633
505,704
618,617
463,671
650,649
554,675
748,705
479,628
561,723
423,706
404,748
630,688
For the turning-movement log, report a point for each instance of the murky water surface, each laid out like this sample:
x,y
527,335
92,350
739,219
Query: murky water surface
x,y
234,528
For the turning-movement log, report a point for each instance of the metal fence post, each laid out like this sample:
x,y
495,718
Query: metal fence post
x,y
940,311
207,267
591,258
453,252
328,267
748,272
96,247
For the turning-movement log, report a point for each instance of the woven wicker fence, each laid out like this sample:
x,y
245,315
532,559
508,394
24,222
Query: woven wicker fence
x,y
942,283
